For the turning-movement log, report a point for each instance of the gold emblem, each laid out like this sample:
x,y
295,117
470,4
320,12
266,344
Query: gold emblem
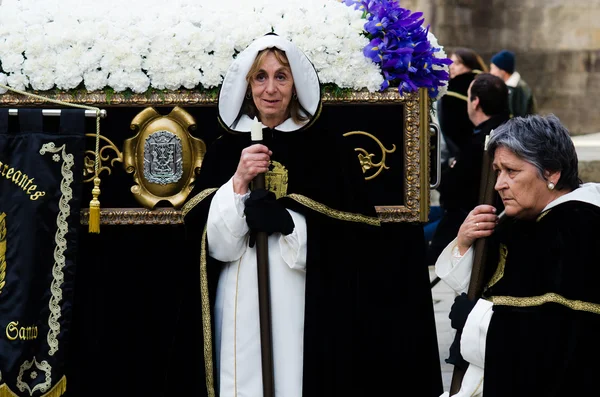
x,y
163,157
276,179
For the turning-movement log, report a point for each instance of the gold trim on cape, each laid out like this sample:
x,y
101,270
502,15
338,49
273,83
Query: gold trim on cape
x,y
187,207
549,297
457,95
499,273
341,215
206,320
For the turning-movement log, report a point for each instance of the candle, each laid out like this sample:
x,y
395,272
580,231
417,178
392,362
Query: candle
x,y
256,131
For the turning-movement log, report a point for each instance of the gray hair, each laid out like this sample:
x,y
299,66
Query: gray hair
x,y
543,142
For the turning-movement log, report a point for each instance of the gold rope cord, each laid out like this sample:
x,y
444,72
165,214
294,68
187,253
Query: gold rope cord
x,y
550,297
341,215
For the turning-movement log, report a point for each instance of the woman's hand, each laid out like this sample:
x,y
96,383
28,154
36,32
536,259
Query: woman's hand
x,y
253,161
480,222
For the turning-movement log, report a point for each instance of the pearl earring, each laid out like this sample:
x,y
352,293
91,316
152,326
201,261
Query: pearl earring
x,y
550,186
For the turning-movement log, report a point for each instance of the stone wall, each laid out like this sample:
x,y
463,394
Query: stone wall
x,y
557,45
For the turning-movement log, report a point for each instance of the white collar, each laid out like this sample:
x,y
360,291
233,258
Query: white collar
x,y
245,124
513,80
587,193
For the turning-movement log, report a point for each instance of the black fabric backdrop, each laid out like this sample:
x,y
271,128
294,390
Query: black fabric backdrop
x,y
131,308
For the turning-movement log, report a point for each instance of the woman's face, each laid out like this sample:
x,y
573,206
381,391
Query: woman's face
x,y
457,67
523,192
272,89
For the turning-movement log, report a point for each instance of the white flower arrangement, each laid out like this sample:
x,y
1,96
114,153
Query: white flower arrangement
x,y
141,44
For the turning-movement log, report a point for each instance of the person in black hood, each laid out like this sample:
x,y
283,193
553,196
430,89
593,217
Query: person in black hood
x,y
452,111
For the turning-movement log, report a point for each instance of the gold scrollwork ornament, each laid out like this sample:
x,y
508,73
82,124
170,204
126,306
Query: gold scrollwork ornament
x,y
163,157
105,162
366,158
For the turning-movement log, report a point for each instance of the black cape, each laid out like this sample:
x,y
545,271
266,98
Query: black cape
x,y
326,185
543,336
452,113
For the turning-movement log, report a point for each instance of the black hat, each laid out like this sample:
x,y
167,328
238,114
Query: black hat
x,y
505,60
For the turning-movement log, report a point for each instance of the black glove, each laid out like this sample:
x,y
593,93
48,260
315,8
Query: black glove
x,y
265,214
460,310
455,357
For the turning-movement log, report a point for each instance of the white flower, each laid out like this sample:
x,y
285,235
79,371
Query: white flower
x,y
18,81
439,54
95,80
3,82
138,44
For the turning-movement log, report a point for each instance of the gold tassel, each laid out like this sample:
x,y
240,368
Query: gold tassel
x,y
94,218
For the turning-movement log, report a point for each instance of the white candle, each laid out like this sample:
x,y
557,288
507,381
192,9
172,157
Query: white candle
x,y
256,131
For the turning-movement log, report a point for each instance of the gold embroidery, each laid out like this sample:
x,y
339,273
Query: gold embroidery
x,y
22,180
2,250
499,273
549,297
206,320
196,200
366,159
323,209
543,214
14,332
276,179
60,240
34,366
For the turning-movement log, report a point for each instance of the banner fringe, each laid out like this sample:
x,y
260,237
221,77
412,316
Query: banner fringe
x,y
59,388
6,392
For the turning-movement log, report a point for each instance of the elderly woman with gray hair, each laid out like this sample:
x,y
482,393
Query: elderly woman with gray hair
x,y
533,332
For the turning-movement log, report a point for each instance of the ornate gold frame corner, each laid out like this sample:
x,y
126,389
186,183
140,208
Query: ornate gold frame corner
x,y
416,162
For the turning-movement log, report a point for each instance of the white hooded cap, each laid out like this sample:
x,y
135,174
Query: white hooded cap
x,y
233,89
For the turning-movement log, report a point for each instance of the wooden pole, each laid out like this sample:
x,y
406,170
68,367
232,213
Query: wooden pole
x,y
487,195
266,340
264,298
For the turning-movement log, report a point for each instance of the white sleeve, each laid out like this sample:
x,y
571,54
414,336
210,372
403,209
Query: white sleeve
x,y
472,348
474,333
472,383
293,246
455,270
227,230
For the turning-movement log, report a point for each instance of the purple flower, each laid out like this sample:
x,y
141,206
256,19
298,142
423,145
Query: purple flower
x,y
399,44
